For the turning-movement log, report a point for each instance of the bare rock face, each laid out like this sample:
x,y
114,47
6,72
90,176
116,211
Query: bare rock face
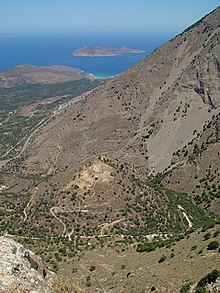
x,y
21,269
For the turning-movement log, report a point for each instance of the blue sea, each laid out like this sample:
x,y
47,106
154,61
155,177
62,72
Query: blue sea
x,y
56,49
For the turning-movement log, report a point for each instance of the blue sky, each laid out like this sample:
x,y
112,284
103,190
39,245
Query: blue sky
x,y
21,16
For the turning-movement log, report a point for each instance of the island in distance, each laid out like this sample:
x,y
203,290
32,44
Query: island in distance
x,y
102,51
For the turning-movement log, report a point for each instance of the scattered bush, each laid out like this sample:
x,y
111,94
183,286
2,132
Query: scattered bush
x,y
172,255
207,236
162,259
65,285
88,282
128,274
92,268
201,290
213,245
193,247
186,288
216,233
208,226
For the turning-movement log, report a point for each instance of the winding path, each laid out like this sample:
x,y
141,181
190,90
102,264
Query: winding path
x,y
28,204
53,210
108,225
185,215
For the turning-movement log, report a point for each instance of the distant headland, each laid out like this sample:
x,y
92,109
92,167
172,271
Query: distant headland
x,y
102,51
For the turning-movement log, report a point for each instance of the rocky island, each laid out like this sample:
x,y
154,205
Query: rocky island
x,y
100,51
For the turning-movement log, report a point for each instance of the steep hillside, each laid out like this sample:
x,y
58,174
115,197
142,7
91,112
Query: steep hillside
x,y
143,115
197,166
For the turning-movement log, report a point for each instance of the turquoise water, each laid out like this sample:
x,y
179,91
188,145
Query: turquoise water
x,y
56,49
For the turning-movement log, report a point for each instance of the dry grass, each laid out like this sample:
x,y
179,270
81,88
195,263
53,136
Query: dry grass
x,y
18,288
59,285
65,285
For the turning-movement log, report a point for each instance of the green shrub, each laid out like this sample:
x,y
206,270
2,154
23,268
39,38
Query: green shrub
x,y
146,247
201,290
186,288
92,268
162,259
207,236
208,226
208,279
153,245
216,233
213,245
193,247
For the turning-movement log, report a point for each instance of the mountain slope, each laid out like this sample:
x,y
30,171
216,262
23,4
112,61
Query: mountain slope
x,y
164,98
86,182
197,166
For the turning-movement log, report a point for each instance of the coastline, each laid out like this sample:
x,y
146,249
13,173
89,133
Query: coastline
x,y
103,77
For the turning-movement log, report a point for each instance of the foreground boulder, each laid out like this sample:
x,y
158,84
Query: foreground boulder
x,y
20,269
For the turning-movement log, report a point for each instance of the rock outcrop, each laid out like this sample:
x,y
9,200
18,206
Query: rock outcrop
x,y
21,270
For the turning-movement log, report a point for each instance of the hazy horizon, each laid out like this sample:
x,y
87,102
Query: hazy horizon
x,y
100,16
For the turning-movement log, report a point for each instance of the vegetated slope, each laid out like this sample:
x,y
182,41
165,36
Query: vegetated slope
x,y
101,199
39,74
26,105
176,265
197,170
143,115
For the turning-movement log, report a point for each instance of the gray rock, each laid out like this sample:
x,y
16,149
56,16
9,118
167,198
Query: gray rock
x,y
21,269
